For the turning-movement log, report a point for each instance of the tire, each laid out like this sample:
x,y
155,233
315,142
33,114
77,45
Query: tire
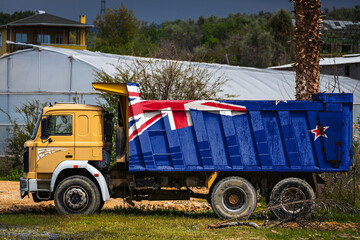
x,y
290,190
232,197
77,195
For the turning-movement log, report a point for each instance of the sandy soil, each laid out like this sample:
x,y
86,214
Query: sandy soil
x,y
10,195
11,201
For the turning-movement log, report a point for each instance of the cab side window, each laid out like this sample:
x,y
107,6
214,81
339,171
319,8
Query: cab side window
x,y
60,125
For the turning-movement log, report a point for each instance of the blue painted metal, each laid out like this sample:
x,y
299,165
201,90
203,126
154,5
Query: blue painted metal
x,y
269,136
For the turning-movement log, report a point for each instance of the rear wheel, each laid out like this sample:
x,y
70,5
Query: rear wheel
x,y
290,190
77,195
232,197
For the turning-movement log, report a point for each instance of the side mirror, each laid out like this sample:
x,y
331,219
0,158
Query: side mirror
x,y
44,127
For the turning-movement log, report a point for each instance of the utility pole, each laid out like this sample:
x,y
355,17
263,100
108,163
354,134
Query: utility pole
x,y
102,9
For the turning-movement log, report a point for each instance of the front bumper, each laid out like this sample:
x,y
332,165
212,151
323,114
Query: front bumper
x,y
33,185
24,187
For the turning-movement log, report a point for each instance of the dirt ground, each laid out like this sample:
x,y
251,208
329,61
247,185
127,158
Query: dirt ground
x,y
10,201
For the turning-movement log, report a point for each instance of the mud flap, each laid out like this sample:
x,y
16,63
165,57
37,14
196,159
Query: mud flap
x,y
120,144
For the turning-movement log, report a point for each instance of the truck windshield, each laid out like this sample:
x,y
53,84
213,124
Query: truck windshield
x,y
33,135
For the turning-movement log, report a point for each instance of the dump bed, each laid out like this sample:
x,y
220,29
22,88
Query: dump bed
x,y
278,136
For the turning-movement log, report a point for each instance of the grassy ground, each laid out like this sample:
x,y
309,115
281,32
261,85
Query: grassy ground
x,y
138,224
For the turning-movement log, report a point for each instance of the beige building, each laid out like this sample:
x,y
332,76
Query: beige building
x,y
347,65
46,30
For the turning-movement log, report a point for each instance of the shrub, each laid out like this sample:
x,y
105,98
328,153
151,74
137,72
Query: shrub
x,y
19,133
14,174
344,186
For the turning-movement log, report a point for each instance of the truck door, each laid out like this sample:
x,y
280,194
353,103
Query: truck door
x,y
59,146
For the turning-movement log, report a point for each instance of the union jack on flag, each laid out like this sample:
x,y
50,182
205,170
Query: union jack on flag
x,y
145,113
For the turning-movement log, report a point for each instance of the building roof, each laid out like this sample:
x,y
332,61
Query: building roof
x,y
329,25
45,19
336,25
346,59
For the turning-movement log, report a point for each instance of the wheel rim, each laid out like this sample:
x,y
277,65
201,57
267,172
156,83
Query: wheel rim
x,y
76,198
292,194
234,199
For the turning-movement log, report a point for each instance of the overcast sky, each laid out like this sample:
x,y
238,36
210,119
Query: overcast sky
x,y
158,10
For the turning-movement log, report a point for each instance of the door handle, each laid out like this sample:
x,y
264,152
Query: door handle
x,y
68,156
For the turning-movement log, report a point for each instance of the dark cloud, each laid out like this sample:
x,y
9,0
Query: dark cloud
x,y
158,10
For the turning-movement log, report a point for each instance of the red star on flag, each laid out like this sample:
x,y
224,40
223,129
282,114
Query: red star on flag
x,y
319,131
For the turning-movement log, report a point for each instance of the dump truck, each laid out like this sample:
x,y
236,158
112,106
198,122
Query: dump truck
x,y
165,149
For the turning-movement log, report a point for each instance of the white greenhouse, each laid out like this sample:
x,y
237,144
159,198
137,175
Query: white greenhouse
x,y
56,74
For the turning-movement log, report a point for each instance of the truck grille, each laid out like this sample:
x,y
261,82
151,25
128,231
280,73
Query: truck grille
x,y
26,159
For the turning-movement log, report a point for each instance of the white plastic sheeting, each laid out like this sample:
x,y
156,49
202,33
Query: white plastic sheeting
x,y
55,74
346,59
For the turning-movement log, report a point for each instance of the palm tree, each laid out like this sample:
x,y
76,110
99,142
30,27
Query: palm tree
x,y
307,39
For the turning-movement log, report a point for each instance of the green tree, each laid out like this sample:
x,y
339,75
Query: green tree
x,y
280,25
91,39
7,18
345,14
184,34
118,26
151,31
257,47
212,39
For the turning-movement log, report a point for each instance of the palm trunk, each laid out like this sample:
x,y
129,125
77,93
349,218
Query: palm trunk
x,y
307,39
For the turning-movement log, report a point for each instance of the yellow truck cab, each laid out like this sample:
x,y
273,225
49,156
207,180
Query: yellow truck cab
x,y
70,137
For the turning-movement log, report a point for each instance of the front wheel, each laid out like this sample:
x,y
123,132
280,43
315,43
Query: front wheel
x,y
233,197
77,195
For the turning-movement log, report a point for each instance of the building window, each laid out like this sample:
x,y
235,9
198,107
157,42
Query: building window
x,y
21,37
59,39
43,38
